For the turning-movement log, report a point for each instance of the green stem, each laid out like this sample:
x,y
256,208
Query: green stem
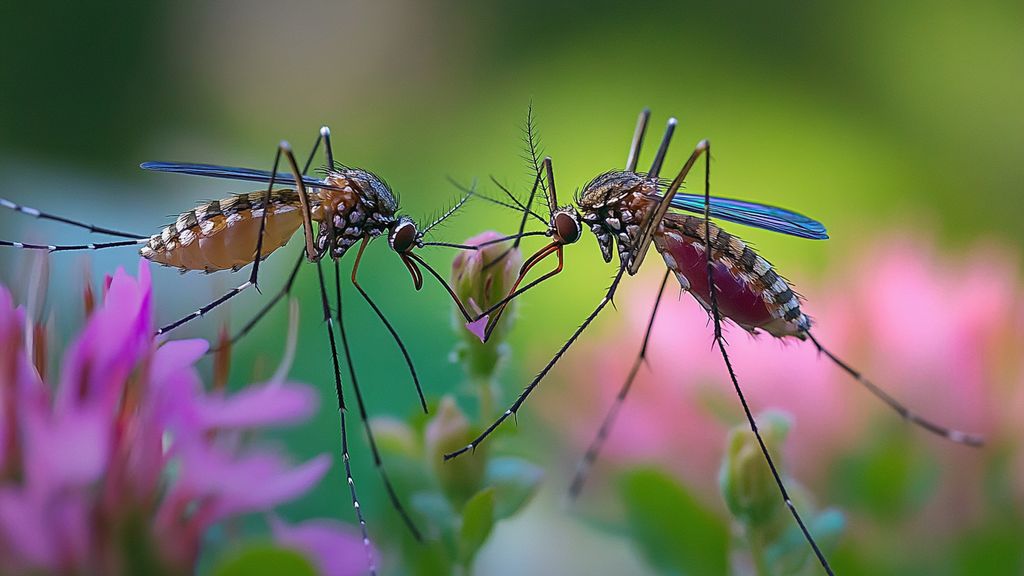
x,y
485,392
757,553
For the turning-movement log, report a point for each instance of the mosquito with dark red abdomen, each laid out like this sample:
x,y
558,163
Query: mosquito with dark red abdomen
x,y
349,206
630,210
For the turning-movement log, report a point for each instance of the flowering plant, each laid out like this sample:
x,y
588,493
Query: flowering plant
x,y
942,334
125,462
463,499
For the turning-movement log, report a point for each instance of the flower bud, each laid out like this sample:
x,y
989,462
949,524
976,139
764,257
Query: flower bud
x,y
394,436
483,277
446,432
745,479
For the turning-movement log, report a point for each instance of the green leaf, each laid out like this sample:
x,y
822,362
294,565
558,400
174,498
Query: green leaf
x,y
677,534
477,523
435,507
514,481
790,553
265,560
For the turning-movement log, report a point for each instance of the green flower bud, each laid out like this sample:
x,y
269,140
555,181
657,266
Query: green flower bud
x,y
745,479
446,432
394,436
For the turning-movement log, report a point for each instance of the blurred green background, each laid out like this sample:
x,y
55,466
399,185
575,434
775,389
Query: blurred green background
x,y
868,116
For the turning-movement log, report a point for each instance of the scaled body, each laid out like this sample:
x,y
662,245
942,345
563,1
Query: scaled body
x,y
617,205
222,234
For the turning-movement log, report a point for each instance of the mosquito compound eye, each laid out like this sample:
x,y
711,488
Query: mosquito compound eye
x,y
403,237
567,227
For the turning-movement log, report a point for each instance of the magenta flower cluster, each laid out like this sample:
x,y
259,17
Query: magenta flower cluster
x,y
122,465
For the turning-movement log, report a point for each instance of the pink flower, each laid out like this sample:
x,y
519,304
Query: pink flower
x,y
481,281
331,545
129,448
943,336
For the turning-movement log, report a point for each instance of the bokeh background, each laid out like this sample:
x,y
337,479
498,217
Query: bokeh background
x,y
899,125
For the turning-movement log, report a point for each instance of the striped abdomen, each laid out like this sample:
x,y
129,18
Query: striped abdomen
x,y
222,234
748,290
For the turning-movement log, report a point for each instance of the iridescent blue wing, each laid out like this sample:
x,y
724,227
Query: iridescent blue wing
x,y
231,173
754,214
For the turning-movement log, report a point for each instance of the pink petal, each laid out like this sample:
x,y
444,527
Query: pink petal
x,y
111,345
175,386
176,355
335,548
478,327
65,451
261,405
72,526
249,483
23,531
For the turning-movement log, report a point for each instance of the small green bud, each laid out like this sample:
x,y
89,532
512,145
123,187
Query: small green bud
x,y
446,432
394,436
746,480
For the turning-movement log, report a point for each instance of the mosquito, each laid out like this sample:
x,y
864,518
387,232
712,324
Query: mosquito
x,y
349,206
629,210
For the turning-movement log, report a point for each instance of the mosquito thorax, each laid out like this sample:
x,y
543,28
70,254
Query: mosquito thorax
x,y
565,223
358,205
615,204
403,235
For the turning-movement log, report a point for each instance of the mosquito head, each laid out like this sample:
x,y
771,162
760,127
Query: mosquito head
x,y
403,236
565,225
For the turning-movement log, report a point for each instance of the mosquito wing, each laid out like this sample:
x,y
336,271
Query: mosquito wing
x,y
231,173
754,214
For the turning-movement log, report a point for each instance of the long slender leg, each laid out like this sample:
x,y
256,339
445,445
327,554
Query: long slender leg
x,y
69,247
205,309
4,203
342,410
285,290
325,135
287,287
666,201
384,320
540,376
533,261
659,158
451,292
254,274
377,462
716,316
304,206
285,149
638,139
529,203
904,412
587,463
515,294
